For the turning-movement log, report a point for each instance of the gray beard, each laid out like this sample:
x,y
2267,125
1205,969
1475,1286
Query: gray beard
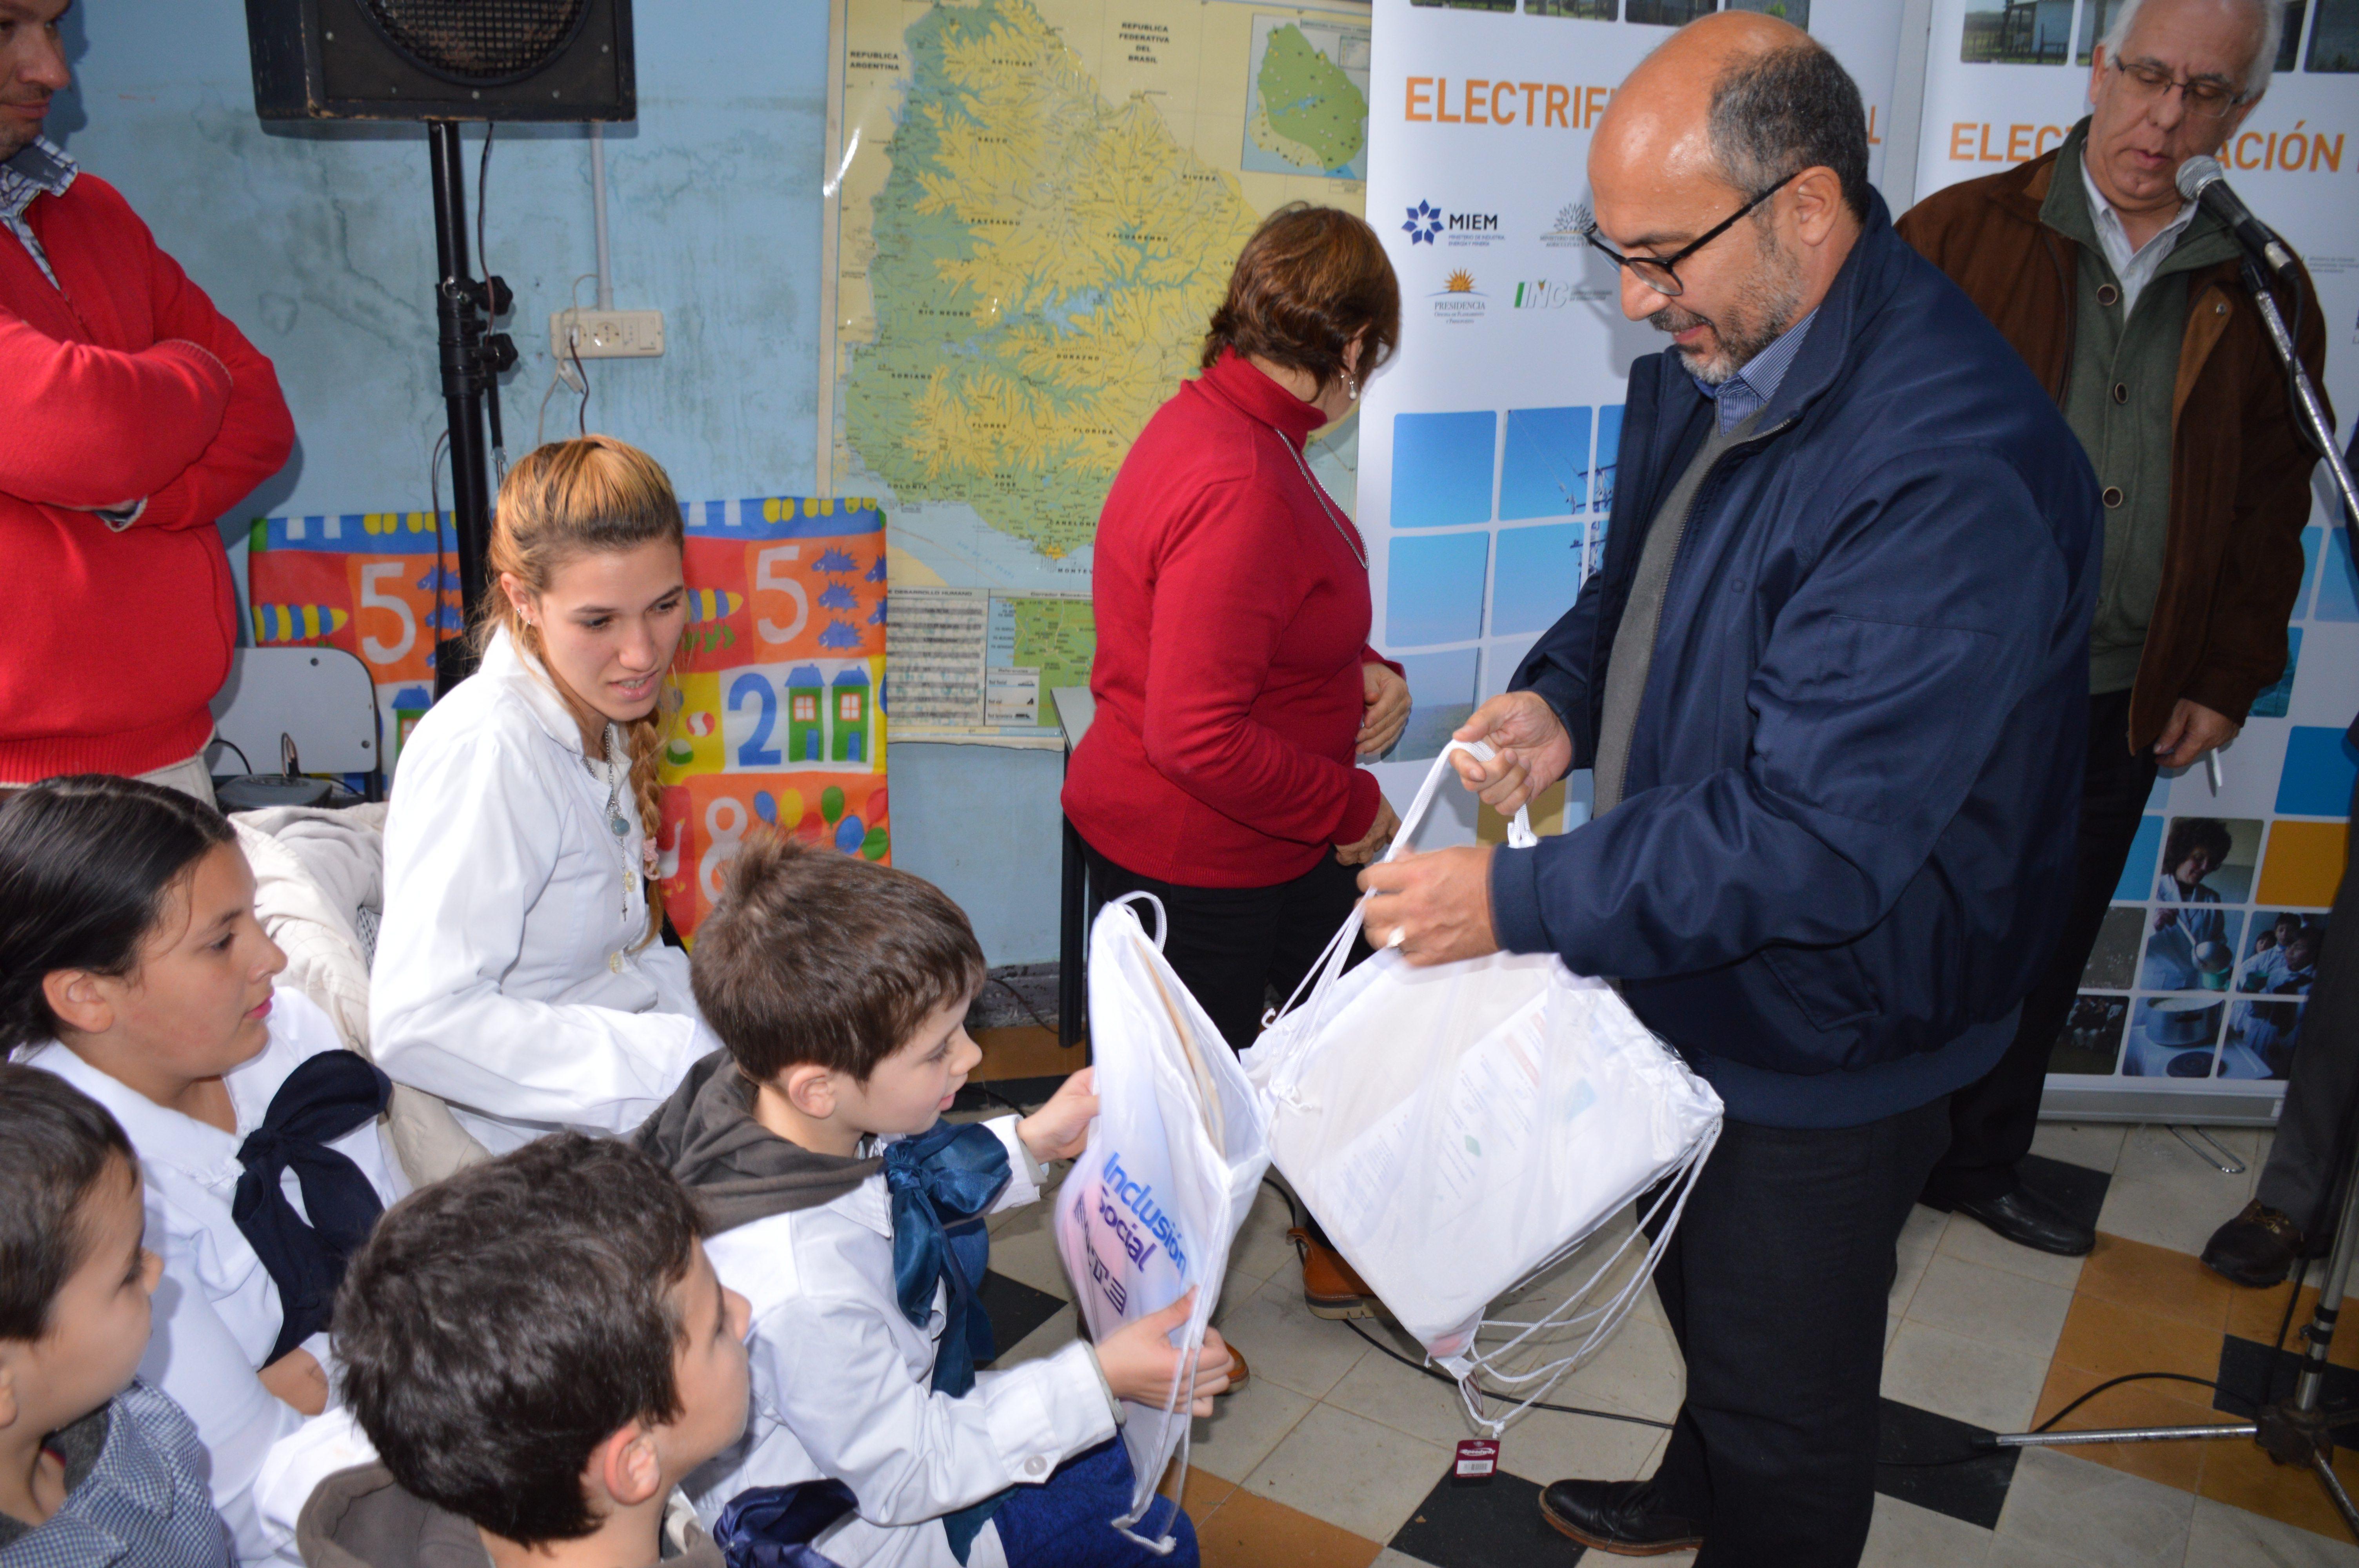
x,y
1744,330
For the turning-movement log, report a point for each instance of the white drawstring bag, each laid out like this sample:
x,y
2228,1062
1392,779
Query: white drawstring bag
x,y
1177,1149
1461,1128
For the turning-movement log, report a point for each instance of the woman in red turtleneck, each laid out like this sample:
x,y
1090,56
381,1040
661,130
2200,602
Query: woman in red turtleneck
x,y
1235,682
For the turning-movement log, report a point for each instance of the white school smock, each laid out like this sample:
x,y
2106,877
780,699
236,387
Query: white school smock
x,y
840,1386
509,979
216,1312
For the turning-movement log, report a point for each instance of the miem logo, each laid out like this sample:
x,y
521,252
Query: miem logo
x,y
1424,222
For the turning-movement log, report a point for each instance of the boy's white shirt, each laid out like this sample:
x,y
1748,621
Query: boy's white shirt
x,y
217,1313
841,1385
510,980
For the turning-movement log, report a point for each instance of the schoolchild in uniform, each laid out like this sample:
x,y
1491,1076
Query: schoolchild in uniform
x,y
97,1469
520,973
132,966
539,1350
842,1205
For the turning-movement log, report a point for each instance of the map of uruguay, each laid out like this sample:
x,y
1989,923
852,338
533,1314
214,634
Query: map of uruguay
x,y
1312,114
1044,267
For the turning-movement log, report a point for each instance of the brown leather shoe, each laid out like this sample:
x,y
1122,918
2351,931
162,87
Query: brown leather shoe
x,y
1239,1373
2257,1248
1330,1288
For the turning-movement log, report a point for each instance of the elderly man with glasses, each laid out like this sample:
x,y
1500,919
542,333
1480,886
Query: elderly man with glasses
x,y
2125,299
1831,679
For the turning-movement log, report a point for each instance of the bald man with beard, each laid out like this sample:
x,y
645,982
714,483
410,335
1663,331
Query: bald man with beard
x,y
1833,680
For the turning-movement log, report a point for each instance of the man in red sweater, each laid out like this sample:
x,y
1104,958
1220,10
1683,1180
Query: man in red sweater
x,y
132,415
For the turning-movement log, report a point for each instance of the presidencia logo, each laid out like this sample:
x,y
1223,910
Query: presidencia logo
x,y
1459,300
1424,222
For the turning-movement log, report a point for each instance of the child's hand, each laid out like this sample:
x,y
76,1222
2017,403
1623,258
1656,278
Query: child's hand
x,y
1139,1362
1059,1130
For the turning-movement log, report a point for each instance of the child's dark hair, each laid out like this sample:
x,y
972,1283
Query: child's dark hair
x,y
814,957
500,1325
57,1144
86,865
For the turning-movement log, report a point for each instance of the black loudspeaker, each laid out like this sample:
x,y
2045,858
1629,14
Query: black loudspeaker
x,y
443,60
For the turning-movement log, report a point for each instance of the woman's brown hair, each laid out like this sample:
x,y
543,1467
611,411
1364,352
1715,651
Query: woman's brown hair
x,y
568,499
1310,281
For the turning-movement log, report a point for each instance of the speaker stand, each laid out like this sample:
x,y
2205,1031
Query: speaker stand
x,y
471,360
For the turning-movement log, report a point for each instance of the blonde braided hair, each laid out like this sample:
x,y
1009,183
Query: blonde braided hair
x,y
568,499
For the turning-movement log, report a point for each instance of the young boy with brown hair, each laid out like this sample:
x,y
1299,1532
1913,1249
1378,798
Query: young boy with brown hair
x,y
852,1217
539,1351
96,1469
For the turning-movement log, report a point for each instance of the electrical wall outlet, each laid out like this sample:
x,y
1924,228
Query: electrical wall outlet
x,y
607,334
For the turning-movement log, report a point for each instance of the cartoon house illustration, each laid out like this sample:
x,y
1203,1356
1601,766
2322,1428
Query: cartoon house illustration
x,y
806,724
852,715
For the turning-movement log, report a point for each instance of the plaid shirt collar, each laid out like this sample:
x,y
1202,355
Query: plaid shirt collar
x,y
40,168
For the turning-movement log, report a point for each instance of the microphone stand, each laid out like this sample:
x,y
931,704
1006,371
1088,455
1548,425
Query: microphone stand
x,y
2296,1431
2308,409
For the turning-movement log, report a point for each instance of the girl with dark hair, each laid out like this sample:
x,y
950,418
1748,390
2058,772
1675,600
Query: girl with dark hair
x,y
520,974
132,966
1235,686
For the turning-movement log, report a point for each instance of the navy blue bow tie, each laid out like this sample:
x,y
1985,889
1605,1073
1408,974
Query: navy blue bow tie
x,y
324,1098
944,1182
773,1526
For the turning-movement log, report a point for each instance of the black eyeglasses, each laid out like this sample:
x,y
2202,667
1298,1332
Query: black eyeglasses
x,y
2206,98
1659,273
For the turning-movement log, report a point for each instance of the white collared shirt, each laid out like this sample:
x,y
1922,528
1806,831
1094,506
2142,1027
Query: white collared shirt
x,y
841,1386
217,1314
2132,269
509,977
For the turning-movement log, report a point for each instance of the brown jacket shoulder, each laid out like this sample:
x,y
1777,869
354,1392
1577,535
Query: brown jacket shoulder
x,y
2239,471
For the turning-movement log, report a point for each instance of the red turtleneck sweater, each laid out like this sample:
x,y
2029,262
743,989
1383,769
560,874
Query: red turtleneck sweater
x,y
1232,598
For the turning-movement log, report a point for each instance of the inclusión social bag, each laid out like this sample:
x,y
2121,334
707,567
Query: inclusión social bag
x,y
1461,1128
1178,1147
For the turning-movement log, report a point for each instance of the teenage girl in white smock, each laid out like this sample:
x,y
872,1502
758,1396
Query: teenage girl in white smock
x,y
520,973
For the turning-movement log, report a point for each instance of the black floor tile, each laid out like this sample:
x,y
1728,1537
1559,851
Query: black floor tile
x,y
2078,1190
1015,1308
1485,1524
1908,1438
2247,1369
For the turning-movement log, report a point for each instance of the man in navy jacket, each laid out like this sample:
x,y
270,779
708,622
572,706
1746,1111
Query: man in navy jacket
x,y
1833,680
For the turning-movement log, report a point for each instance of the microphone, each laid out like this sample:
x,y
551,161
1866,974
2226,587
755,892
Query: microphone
x,y
2202,179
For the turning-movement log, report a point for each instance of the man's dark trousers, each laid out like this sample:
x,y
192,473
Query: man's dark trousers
x,y
2314,1132
1776,1284
1991,1121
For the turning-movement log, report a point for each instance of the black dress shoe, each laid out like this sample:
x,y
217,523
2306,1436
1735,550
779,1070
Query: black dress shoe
x,y
1612,1517
2257,1248
2025,1218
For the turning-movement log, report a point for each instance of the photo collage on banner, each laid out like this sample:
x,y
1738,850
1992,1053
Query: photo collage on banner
x,y
2201,971
1487,448
778,685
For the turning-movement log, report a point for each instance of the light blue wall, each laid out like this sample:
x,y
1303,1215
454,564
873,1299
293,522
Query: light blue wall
x,y
318,243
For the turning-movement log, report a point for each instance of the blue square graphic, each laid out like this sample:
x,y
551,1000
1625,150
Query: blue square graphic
x,y
1537,578
1440,695
1441,469
2338,589
2274,700
1546,470
2319,768
1434,589
1609,449
2137,872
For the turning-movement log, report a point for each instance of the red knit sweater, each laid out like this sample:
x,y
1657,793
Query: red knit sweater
x,y
1231,622
121,384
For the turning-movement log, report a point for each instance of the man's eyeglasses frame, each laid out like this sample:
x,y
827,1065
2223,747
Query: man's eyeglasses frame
x,y
1648,269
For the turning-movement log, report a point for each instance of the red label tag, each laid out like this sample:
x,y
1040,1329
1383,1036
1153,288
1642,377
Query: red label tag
x,y
1478,1458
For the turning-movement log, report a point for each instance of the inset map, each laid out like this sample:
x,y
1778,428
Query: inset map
x,y
1307,100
